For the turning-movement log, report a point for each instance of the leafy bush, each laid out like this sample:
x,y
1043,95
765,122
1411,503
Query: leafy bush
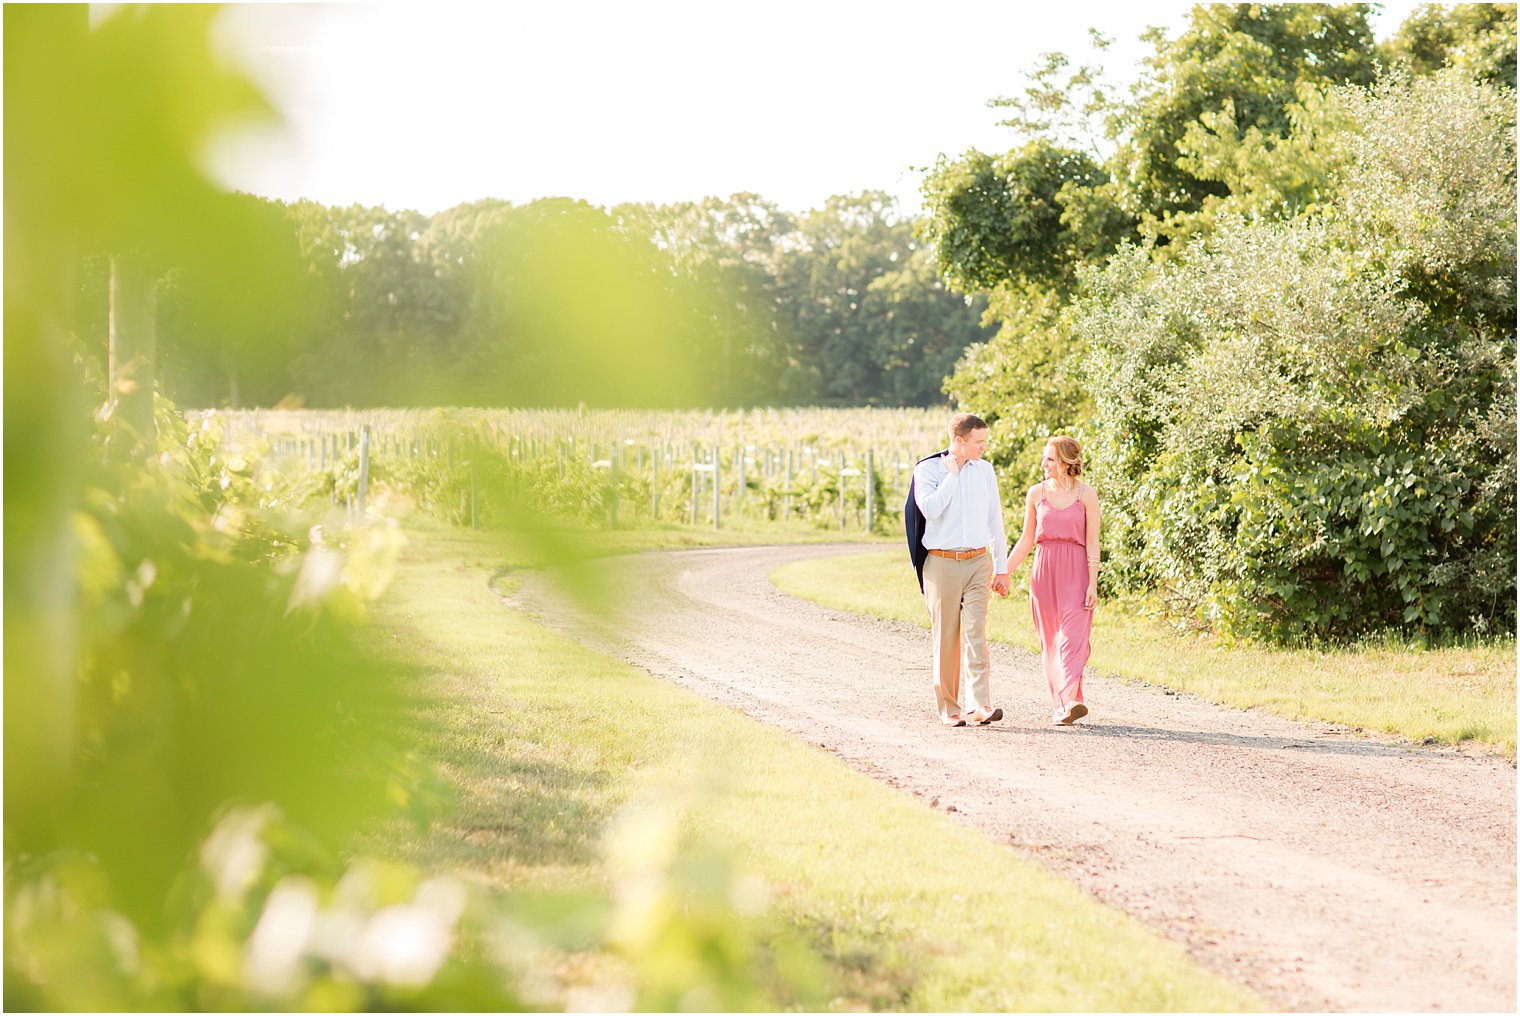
x,y
1307,429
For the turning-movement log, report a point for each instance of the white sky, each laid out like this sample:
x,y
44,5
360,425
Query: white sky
x,y
426,107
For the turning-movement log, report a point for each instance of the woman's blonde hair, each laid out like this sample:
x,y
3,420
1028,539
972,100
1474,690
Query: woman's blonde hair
x,y
1069,452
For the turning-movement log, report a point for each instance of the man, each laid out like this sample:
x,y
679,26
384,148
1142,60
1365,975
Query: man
x,y
956,539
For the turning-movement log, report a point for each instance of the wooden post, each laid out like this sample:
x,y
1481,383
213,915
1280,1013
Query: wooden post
x,y
717,487
363,465
787,500
739,490
654,485
132,356
870,489
612,471
694,474
841,490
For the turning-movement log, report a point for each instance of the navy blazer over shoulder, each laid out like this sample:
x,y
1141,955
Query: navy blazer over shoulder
x,y
914,522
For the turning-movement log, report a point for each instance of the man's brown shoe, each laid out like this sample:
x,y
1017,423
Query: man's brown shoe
x,y
992,717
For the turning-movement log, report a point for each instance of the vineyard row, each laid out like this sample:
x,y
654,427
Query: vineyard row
x,y
839,469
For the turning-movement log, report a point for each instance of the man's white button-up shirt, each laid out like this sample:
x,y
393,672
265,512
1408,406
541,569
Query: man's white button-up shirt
x,y
961,511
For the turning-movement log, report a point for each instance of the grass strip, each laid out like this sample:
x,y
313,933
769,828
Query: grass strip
x,y
1449,695
545,742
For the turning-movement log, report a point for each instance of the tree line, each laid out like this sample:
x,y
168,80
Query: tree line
x,y
1273,288
722,301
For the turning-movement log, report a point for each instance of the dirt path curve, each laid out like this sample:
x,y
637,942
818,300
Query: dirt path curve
x,y
1323,870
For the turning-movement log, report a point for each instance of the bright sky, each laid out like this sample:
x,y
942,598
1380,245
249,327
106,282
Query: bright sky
x,y
647,100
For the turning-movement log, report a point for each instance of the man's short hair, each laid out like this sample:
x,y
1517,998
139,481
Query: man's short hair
x,y
962,424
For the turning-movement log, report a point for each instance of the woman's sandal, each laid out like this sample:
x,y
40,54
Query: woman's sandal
x,y
1074,712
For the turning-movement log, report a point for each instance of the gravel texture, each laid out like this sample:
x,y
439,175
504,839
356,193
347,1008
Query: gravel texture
x,y
1325,870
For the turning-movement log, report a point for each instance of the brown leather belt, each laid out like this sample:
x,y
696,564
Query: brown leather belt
x,y
959,555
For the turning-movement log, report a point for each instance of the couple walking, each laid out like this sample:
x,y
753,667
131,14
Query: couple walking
x,y
956,539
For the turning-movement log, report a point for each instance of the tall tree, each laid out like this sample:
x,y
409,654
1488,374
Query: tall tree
x,y
232,323
1250,59
844,247
1020,217
921,328
1477,38
730,251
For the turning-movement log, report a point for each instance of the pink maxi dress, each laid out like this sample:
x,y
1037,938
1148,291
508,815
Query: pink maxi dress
x,y
1057,589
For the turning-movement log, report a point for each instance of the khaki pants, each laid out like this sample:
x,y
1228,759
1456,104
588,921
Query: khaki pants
x,y
956,594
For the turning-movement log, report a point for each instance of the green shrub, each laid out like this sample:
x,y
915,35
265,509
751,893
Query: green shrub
x,y
1306,429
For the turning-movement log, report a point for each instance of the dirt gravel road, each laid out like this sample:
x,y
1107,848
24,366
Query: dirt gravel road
x,y
1324,870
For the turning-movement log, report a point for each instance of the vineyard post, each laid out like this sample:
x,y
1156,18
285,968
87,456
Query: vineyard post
x,y
132,330
717,486
654,485
694,484
612,475
363,465
474,502
787,507
841,490
870,489
739,490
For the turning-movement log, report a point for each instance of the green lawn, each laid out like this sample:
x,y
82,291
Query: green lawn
x,y
622,809
1454,695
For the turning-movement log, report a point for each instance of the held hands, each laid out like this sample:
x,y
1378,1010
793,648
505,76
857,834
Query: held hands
x,y
999,584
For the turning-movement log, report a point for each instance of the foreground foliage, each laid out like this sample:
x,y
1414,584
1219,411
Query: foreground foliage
x,y
195,740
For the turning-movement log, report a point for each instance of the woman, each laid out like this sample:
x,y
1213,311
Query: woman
x,y
1061,518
